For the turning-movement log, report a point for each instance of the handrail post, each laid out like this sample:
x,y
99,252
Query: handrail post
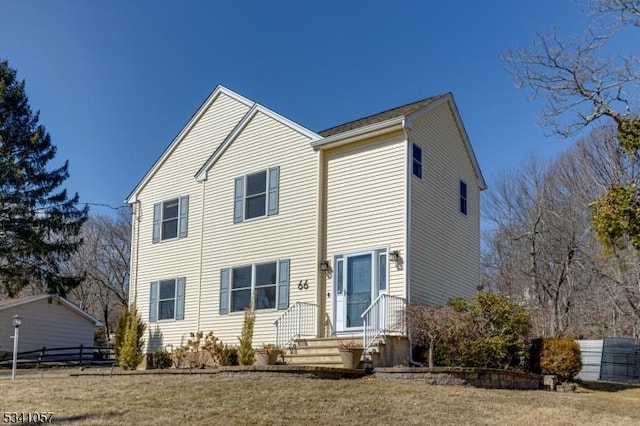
x,y
80,354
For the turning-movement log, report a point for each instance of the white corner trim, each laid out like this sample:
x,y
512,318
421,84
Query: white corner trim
x,y
132,198
359,133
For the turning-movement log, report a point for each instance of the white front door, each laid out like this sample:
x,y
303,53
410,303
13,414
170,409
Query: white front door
x,y
358,279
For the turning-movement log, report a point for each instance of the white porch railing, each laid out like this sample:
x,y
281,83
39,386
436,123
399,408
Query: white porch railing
x,y
299,320
385,316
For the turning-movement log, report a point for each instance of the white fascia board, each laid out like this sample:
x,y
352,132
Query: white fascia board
x,y
360,133
202,174
132,198
465,137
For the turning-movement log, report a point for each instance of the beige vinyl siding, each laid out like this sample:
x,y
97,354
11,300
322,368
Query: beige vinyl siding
x,y
179,257
291,234
445,244
44,324
366,201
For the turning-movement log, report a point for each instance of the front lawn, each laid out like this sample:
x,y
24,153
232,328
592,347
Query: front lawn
x,y
237,400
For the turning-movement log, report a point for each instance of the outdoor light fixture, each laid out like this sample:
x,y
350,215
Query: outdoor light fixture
x,y
16,320
324,265
394,256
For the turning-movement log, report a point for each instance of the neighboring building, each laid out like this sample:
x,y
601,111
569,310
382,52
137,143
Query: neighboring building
x,y
47,321
246,206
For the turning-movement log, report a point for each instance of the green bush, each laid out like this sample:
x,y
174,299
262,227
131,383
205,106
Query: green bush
x,y
497,338
245,350
161,359
229,356
129,346
488,331
561,356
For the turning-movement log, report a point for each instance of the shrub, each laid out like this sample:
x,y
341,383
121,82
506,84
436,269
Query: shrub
x,y
561,356
100,337
245,350
200,350
129,353
497,339
161,359
487,331
229,356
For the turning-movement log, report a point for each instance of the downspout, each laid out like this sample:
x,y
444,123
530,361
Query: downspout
x,y
135,237
321,243
204,184
407,239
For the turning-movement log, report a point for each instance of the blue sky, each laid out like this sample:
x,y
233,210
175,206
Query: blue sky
x,y
115,81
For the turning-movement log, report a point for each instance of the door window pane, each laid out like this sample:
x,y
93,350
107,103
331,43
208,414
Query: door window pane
x,y
339,276
358,288
382,272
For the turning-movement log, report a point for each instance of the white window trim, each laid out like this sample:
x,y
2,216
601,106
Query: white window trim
x,y
253,288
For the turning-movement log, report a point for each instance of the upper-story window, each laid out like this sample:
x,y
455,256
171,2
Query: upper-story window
x,y
417,161
256,194
463,198
170,219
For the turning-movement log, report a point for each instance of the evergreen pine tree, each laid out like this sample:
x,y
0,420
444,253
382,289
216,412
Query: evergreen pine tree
x,y
39,223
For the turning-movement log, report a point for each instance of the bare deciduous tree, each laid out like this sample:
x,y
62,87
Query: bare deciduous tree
x,y
580,79
104,260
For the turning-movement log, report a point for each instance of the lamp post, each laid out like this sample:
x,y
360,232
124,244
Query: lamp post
x,y
17,322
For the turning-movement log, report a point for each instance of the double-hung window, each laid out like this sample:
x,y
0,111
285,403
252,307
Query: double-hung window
x,y
261,285
166,301
256,194
170,219
463,198
417,160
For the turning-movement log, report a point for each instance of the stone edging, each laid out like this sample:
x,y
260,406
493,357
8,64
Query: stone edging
x,y
465,376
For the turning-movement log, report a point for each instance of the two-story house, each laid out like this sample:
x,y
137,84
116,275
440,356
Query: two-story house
x,y
321,233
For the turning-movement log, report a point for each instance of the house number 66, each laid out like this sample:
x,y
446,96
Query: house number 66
x,y
303,285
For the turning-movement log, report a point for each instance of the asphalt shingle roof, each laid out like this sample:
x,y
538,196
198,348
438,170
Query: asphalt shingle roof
x,y
401,111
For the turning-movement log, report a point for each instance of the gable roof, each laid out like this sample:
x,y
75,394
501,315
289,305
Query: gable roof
x,y
183,133
10,303
401,111
395,119
242,124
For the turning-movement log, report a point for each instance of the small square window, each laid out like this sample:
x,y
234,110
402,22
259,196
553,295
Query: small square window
x,y
463,198
417,161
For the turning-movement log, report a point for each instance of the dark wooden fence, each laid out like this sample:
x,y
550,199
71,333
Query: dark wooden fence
x,y
78,355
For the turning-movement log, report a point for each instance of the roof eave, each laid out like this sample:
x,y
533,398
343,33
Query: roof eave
x,y
360,133
133,196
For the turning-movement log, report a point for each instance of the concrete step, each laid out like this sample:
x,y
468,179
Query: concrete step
x,y
308,358
321,352
328,341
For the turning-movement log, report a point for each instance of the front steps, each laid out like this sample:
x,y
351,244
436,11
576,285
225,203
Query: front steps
x,y
319,352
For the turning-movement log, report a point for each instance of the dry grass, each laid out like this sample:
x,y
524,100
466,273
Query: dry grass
x,y
211,399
